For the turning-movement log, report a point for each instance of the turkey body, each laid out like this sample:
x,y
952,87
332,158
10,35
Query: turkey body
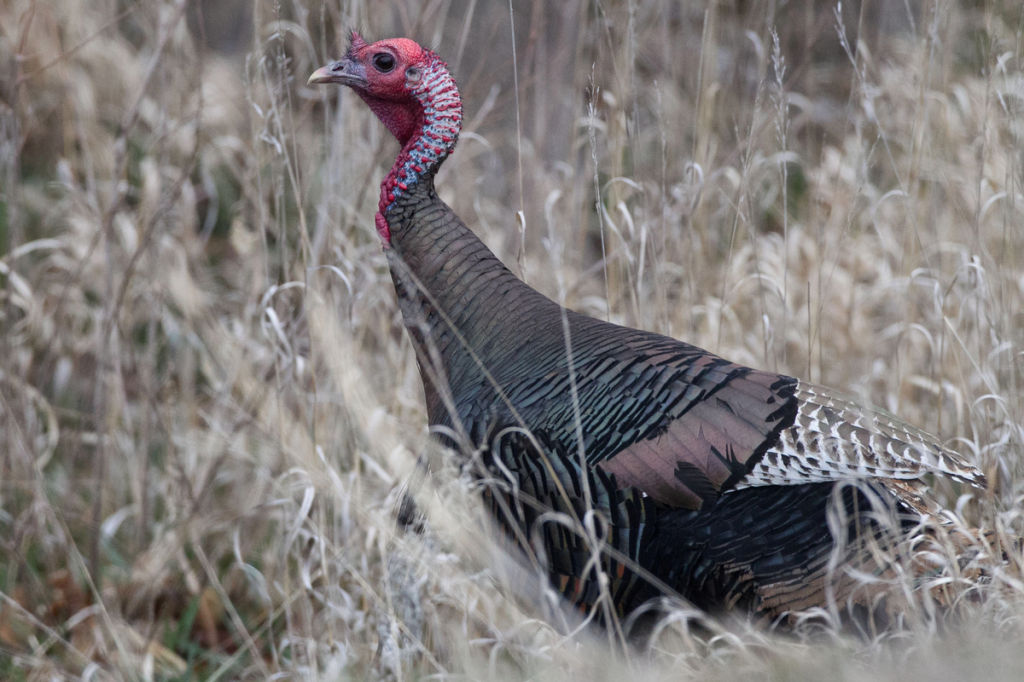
x,y
682,473
567,411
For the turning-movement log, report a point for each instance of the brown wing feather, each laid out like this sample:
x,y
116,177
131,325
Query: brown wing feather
x,y
712,445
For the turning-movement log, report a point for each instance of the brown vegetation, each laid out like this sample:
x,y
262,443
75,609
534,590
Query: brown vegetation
x,y
208,406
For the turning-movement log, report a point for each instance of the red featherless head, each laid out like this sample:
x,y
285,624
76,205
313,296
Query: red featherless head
x,y
396,78
412,92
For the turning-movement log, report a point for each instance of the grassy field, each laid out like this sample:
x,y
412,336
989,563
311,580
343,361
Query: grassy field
x,y
209,409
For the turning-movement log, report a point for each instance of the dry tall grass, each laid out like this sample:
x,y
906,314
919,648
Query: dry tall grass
x,y
209,407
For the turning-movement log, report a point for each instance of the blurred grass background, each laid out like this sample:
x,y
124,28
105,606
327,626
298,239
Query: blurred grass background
x,y
208,406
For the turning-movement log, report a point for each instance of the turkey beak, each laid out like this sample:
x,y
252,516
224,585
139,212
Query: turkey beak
x,y
345,72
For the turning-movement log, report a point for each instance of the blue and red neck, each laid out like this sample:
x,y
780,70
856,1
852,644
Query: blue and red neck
x,y
430,128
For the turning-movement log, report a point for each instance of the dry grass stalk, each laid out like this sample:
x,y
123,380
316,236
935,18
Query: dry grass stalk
x,y
207,404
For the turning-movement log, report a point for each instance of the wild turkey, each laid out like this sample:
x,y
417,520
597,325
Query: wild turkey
x,y
724,484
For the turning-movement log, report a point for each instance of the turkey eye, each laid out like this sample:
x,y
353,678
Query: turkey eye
x,y
383,62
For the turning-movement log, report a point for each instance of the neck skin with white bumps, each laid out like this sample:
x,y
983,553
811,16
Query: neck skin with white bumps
x,y
433,135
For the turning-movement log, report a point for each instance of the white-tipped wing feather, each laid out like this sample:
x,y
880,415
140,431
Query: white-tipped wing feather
x,y
835,437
